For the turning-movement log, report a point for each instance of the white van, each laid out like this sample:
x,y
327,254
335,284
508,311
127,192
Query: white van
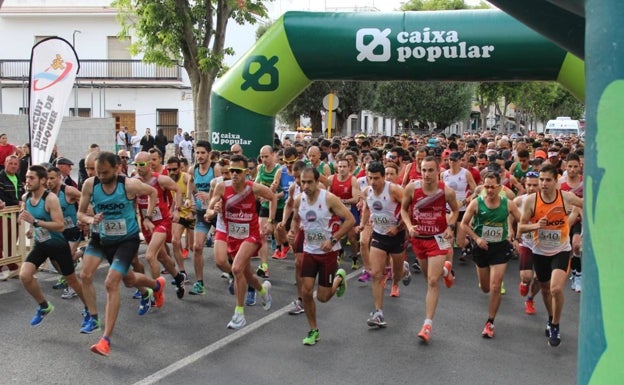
x,y
291,135
563,126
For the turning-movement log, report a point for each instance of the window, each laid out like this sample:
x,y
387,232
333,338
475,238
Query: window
x,y
119,65
82,112
23,110
167,120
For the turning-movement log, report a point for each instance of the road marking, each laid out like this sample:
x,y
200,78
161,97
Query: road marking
x,y
188,360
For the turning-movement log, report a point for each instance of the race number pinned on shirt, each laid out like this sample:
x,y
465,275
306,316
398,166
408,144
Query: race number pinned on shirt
x,y
156,214
238,230
114,227
68,222
549,238
41,234
316,237
443,243
492,234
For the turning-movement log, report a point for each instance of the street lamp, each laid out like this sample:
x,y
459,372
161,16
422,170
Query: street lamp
x,y
74,38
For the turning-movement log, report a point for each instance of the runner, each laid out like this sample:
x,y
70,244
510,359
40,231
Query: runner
x,y
423,210
313,211
186,222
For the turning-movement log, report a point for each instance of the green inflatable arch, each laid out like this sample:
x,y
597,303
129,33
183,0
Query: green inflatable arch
x,y
483,45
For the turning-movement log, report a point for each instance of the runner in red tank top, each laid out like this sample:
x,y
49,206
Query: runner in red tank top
x,y
238,203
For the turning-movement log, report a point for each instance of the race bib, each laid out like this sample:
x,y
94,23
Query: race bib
x,y
156,214
316,237
238,230
492,234
549,238
114,227
69,223
381,220
443,243
41,234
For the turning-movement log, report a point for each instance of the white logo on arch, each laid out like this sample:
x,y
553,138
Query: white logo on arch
x,y
215,138
379,39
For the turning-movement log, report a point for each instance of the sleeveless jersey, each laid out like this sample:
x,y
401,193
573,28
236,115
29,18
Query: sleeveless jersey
x,y
202,183
429,211
526,239
239,209
457,182
285,181
220,225
316,223
120,221
38,212
491,224
341,189
161,208
70,218
554,238
184,211
519,173
266,178
384,211
578,190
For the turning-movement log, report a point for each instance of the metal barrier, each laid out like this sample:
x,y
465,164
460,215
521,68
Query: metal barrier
x,y
14,243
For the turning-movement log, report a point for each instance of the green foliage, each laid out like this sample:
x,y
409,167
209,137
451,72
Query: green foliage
x,y
439,5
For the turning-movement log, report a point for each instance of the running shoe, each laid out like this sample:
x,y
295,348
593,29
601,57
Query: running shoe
x,y
198,289
86,316
488,330
40,314
296,307
342,287
503,290
164,272
237,321
159,295
523,288
312,338
386,277
394,292
365,276
285,250
231,285
263,271
416,267
267,300
137,294
146,302
185,253
278,254
91,326
376,319
61,283
554,339
225,275
250,298
69,293
425,333
548,327
355,264
210,241
449,280
101,348
407,274
529,306
340,258
180,290
576,283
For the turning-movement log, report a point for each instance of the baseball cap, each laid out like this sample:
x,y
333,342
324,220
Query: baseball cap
x,y
446,153
432,142
491,152
540,154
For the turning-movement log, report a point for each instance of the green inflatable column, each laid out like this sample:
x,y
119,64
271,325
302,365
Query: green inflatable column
x,y
601,334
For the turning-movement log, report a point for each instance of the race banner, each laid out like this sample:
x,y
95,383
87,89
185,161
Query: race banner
x,y
53,69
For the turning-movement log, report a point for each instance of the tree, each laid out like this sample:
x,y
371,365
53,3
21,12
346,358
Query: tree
x,y
170,32
440,5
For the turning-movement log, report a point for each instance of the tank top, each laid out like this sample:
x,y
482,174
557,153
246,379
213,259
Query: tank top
x,y
341,189
519,173
285,181
239,209
413,173
491,224
429,211
526,239
554,238
184,211
578,190
43,236
384,211
266,178
457,182
316,223
161,208
69,210
120,221
202,183
220,225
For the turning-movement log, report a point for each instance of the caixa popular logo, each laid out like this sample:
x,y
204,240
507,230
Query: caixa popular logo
x,y
376,45
103,207
54,74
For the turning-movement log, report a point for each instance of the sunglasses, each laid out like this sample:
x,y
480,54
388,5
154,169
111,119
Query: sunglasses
x,y
125,157
251,168
532,174
289,161
490,187
237,170
172,169
141,164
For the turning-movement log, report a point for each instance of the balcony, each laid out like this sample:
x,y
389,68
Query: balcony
x,y
101,70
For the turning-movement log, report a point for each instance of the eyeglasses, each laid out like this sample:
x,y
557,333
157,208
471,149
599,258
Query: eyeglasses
x,y
237,170
125,157
299,153
391,156
490,187
141,164
172,169
532,174
289,161
251,168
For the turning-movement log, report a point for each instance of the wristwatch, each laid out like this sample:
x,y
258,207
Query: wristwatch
x,y
333,240
452,226
270,220
35,222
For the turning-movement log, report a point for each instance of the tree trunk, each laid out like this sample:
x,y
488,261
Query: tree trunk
x,y
201,85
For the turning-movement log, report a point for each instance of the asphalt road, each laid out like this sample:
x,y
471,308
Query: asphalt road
x,y
186,341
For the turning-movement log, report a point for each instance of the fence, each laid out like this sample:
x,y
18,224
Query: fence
x,y
13,237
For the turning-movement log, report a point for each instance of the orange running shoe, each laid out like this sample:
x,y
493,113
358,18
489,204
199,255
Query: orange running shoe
x,y
395,291
159,295
101,348
523,288
425,333
449,280
185,252
488,330
529,306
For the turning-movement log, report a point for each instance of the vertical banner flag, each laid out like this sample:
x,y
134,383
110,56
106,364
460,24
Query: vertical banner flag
x,y
53,69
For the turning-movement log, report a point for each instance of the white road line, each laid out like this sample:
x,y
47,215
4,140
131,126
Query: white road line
x,y
188,360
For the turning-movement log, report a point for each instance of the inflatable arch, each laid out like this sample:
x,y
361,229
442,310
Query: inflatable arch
x,y
483,45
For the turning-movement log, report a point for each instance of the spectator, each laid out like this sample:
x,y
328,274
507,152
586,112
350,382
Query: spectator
x,y
177,138
7,149
121,138
135,141
11,190
24,162
65,165
147,141
82,171
161,142
186,147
